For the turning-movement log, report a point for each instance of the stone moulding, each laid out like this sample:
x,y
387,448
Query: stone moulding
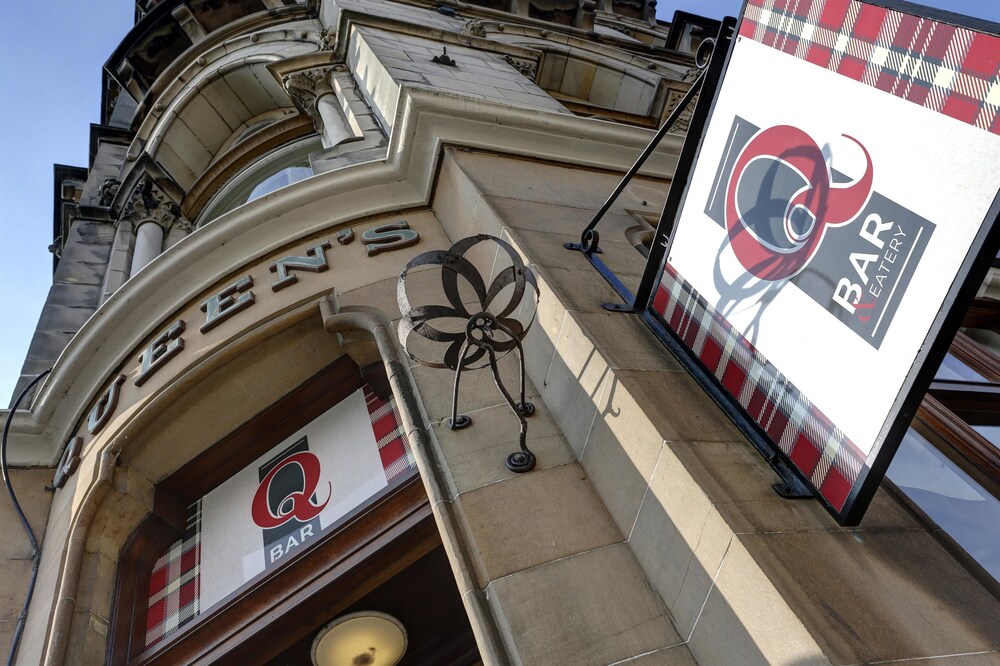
x,y
401,181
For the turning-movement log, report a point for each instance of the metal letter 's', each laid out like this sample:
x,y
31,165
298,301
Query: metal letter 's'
x,y
102,411
163,348
387,237
315,262
223,305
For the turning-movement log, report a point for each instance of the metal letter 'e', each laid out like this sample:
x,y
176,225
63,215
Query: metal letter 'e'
x,y
222,306
163,348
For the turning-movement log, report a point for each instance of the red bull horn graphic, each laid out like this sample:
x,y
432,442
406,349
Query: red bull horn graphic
x,y
774,238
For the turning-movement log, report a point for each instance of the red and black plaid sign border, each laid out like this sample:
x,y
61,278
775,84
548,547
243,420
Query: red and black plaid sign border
x,y
174,583
819,449
393,448
944,68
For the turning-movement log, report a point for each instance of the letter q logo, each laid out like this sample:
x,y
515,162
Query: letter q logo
x,y
780,199
274,510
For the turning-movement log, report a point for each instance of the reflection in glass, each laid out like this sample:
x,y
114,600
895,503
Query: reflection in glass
x,y
282,167
990,432
949,497
955,370
286,176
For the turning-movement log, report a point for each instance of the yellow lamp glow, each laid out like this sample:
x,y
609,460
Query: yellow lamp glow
x,y
368,638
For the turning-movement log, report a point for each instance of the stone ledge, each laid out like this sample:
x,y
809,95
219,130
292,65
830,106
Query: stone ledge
x,y
741,571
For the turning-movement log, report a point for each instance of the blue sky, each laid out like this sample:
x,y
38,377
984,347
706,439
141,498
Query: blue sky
x,y
51,55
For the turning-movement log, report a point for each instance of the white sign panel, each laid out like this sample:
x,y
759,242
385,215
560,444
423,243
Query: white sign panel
x,y
277,506
852,156
287,497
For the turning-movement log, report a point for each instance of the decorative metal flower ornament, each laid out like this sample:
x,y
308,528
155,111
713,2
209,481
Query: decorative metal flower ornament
x,y
478,338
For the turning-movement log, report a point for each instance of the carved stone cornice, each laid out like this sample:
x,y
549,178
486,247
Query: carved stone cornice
x,y
109,188
673,99
328,39
475,27
182,224
528,68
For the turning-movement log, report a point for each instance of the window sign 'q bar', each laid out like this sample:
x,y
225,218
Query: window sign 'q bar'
x,y
841,213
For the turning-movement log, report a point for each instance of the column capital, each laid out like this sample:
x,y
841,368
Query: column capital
x,y
305,87
148,203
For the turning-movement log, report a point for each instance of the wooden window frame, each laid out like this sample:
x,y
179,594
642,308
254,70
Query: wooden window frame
x,y
956,439
976,356
949,407
983,313
382,537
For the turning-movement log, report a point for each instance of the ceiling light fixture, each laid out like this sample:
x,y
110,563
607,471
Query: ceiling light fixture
x,y
367,638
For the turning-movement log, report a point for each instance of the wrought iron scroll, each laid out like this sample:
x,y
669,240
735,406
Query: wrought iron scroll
x,y
590,237
477,338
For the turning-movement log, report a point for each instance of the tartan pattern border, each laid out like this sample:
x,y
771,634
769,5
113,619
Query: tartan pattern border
x,y
393,447
819,449
944,68
175,584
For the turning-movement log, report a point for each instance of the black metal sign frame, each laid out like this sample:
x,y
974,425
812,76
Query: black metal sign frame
x,y
972,272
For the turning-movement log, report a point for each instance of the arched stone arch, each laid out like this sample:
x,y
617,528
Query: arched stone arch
x,y
215,112
213,398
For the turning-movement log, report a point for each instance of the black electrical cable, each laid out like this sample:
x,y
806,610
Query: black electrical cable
x,y
36,552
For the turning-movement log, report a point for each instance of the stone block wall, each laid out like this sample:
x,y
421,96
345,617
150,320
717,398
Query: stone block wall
x,y
745,576
15,549
73,297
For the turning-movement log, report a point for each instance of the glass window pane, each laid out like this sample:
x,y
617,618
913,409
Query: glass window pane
x,y
949,497
990,432
283,166
276,181
953,369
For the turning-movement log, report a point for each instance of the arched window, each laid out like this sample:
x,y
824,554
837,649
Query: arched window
x,y
281,167
282,178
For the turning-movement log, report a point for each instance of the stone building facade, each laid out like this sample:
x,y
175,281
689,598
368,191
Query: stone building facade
x,y
226,287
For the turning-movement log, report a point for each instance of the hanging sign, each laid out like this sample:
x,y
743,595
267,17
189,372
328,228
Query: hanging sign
x,y
844,198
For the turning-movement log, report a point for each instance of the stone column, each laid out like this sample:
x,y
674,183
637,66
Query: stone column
x,y
177,231
120,260
335,128
153,216
148,245
313,94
